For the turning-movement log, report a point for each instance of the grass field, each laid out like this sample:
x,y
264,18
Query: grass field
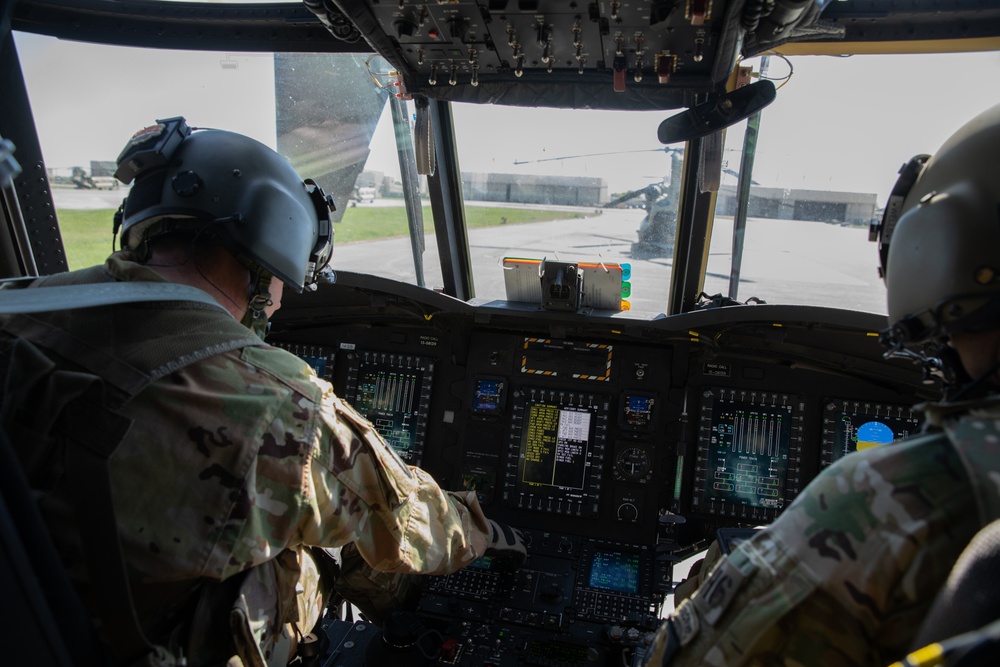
x,y
87,234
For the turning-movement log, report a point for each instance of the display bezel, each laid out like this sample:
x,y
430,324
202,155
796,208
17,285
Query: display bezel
x,y
421,369
556,498
535,419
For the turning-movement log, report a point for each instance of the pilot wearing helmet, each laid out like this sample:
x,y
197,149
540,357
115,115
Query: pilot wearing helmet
x,y
235,458
847,574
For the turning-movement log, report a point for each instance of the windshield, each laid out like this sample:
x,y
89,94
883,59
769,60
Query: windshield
x,y
826,157
327,113
584,183
594,188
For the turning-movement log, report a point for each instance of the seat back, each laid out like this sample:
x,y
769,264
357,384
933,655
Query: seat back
x,y
963,616
41,610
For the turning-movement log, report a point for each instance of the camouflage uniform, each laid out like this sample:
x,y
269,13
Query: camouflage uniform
x,y
232,465
847,573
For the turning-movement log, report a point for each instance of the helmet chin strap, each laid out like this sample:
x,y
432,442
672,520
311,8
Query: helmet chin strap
x,y
255,318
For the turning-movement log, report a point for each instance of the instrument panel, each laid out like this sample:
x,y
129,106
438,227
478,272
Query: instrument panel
x,y
620,53
618,446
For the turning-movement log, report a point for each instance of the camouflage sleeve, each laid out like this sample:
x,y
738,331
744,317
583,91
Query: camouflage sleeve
x,y
398,517
845,574
324,477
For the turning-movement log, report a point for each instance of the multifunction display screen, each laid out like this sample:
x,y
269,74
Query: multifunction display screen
x,y
613,583
320,358
555,446
393,392
614,571
851,426
558,442
749,442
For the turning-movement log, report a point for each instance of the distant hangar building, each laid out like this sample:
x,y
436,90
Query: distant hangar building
x,y
535,189
853,208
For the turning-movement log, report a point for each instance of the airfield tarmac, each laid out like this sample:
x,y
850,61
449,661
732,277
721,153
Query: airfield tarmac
x,y
784,261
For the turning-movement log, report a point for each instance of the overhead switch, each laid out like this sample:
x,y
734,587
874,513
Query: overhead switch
x,y
405,28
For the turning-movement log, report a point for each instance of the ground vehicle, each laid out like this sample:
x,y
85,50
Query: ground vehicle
x,y
657,393
366,194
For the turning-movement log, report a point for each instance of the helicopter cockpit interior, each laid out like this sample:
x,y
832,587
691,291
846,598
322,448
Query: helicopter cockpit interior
x,y
624,409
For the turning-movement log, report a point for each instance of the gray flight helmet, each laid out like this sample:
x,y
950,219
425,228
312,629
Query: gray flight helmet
x,y
230,187
942,266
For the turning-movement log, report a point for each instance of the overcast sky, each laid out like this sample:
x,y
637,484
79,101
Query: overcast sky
x,y
839,123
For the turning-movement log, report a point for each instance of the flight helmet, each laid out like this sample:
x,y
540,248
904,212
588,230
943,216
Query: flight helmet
x,y
940,238
230,187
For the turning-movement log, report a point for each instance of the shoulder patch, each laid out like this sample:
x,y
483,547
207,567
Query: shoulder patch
x,y
718,592
686,623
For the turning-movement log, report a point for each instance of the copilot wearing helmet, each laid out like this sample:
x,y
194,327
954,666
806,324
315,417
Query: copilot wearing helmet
x,y
222,185
940,250
239,470
859,569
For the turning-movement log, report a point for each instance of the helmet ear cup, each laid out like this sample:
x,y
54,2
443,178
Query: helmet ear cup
x,y
882,232
323,250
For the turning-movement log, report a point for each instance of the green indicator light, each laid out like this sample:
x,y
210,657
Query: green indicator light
x,y
626,289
